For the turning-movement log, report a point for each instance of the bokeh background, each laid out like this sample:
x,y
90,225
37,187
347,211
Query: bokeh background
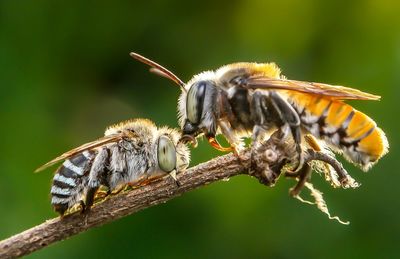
x,y
65,74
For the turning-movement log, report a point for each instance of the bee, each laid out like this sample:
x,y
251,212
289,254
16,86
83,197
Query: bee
x,y
253,99
131,152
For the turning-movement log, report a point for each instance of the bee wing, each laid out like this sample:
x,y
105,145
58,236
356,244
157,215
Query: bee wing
x,y
332,91
87,146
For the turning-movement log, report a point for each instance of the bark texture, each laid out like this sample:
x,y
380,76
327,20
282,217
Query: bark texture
x,y
268,163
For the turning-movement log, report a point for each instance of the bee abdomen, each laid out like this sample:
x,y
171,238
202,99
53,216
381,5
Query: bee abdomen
x,y
70,180
347,130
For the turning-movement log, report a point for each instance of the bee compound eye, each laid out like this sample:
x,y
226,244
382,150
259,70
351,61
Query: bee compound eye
x,y
166,154
195,101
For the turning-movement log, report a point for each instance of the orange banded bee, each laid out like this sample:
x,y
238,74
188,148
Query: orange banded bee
x,y
131,152
251,99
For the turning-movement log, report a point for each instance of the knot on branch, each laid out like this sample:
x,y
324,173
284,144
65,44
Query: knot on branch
x,y
268,159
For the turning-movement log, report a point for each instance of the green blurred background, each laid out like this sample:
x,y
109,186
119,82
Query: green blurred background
x,y
65,74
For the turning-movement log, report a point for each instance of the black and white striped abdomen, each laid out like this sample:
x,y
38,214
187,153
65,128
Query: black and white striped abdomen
x,y
70,180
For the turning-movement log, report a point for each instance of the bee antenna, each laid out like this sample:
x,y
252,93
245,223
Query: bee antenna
x,y
159,70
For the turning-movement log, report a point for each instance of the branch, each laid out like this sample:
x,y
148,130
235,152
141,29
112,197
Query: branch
x,y
271,158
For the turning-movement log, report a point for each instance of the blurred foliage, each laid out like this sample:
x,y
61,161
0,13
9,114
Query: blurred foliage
x,y
65,74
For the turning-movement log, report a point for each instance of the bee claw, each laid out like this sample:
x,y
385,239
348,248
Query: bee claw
x,y
303,175
83,208
189,138
215,144
173,176
300,164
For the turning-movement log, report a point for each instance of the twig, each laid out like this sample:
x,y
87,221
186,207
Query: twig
x,y
159,191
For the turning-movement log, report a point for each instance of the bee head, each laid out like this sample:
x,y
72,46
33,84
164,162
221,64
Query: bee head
x,y
172,154
198,109
197,103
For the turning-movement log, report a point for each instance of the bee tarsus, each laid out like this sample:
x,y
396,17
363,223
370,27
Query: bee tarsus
x,y
303,175
345,180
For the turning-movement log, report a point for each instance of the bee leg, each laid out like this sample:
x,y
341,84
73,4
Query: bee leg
x,y
215,144
82,205
98,169
61,208
236,143
97,176
102,193
288,117
261,114
303,175
258,130
259,111
89,199
296,132
173,176
345,179
120,188
330,174
143,181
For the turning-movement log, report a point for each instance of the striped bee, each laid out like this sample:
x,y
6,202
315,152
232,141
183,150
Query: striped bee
x,y
132,152
253,99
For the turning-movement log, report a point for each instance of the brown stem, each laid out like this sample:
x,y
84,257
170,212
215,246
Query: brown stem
x,y
129,202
